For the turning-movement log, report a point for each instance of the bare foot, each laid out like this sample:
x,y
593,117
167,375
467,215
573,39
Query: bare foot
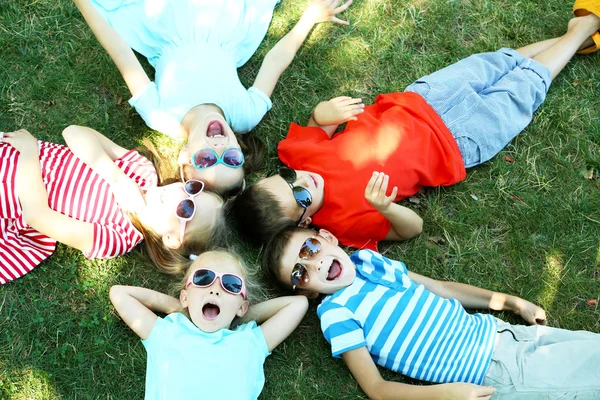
x,y
587,25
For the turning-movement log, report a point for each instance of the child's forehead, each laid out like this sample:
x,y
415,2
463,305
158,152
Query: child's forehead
x,y
219,262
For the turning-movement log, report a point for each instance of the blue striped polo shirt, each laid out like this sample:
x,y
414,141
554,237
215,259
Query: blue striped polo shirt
x,y
405,327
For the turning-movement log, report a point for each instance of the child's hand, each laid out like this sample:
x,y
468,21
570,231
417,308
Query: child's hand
x,y
128,194
530,312
466,391
376,190
337,111
326,10
21,140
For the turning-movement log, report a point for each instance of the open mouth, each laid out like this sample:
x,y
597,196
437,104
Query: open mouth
x,y
215,130
334,271
211,311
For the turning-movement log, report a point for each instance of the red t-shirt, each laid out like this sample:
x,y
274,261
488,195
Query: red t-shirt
x,y
400,135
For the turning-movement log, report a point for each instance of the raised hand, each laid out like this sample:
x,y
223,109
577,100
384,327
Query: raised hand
x,y
337,111
21,140
376,190
326,10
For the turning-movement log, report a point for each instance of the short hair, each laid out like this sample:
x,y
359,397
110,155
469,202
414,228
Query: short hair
x,y
274,250
258,214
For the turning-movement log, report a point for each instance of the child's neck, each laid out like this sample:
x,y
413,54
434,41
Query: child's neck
x,y
196,115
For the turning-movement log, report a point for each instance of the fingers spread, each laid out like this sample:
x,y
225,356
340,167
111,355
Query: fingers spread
x,y
339,21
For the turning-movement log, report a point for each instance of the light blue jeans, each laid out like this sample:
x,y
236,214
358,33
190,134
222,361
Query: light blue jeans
x,y
543,363
486,100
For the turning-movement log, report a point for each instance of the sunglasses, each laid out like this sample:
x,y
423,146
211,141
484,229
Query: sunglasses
x,y
309,250
206,158
187,208
301,195
204,277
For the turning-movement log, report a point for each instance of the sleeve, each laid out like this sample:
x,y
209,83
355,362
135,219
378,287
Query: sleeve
x,y
157,334
258,105
111,241
367,231
257,336
138,168
146,102
341,329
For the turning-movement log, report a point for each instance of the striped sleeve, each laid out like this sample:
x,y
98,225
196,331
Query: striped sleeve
x,y
138,168
112,240
340,328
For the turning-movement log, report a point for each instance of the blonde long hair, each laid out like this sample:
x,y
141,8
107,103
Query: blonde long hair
x,y
176,261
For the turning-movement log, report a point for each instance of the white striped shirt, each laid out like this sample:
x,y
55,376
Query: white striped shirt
x,y
405,327
73,190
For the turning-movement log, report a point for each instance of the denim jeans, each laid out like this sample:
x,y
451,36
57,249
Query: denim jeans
x,y
486,99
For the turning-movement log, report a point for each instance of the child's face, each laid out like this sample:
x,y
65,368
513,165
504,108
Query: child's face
x,y
212,132
161,206
213,308
282,191
314,262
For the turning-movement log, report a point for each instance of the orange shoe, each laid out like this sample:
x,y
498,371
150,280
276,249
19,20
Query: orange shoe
x,y
585,7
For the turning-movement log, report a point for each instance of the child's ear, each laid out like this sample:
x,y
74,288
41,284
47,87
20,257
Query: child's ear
x,y
183,299
305,222
328,236
307,293
171,242
243,309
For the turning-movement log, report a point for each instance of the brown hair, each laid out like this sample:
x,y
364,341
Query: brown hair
x,y
272,255
258,214
175,261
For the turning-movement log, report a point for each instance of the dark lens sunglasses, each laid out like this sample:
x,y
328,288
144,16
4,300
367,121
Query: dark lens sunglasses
x,y
309,250
301,195
205,277
206,158
187,208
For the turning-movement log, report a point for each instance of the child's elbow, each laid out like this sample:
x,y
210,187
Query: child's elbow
x,y
71,131
301,303
115,293
415,229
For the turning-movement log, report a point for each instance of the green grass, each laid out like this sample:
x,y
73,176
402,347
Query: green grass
x,y
534,230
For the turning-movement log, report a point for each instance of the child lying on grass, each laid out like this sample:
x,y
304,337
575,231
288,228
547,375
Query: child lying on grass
x,y
192,352
456,118
378,312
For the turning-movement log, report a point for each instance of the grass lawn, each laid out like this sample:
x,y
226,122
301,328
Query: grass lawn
x,y
529,227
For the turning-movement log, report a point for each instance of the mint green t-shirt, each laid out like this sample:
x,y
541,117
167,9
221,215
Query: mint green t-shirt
x,y
185,362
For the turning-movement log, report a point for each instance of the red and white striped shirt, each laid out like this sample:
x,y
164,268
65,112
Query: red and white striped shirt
x,y
73,190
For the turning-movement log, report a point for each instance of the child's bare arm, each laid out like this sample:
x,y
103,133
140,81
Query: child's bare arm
x,y
34,197
405,222
328,115
281,55
99,153
278,317
474,297
134,75
137,305
367,375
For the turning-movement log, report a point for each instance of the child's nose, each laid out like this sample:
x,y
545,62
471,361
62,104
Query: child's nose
x,y
302,181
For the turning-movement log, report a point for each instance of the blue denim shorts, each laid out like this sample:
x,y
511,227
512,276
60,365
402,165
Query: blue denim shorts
x,y
486,100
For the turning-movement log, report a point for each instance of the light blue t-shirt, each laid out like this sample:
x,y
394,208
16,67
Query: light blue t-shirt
x,y
195,48
405,327
185,362
187,76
